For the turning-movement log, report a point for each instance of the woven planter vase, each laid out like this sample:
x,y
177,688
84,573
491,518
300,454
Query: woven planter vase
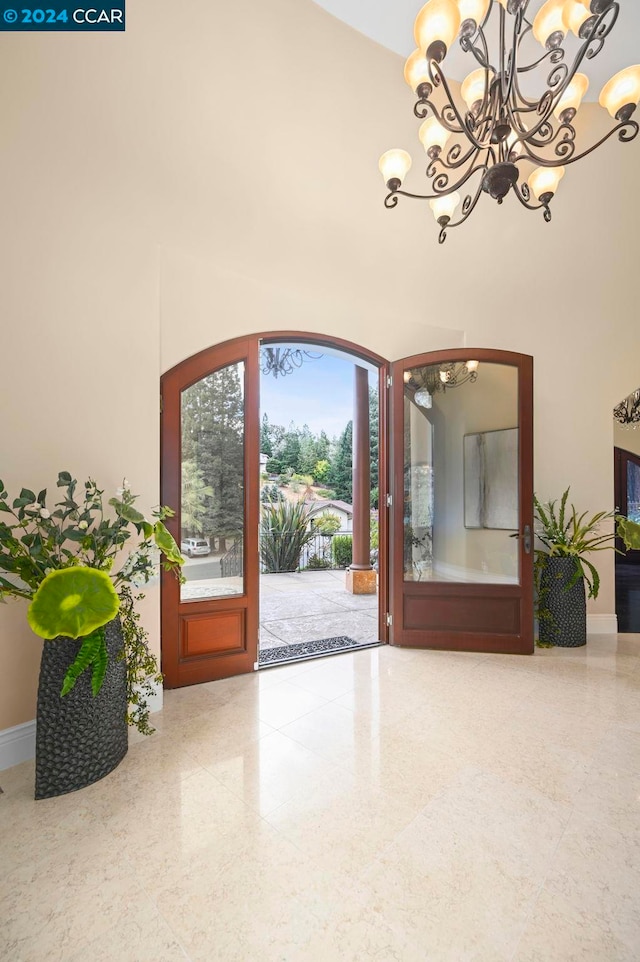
x,y
79,738
565,623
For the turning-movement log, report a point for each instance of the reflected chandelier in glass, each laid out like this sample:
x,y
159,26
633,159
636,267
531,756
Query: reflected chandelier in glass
x,y
427,381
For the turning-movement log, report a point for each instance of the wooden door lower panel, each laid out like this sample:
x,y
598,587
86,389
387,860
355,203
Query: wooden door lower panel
x,y
211,644
469,617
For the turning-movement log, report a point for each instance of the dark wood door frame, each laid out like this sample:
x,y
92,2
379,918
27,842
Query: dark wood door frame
x,y
621,459
178,669
507,607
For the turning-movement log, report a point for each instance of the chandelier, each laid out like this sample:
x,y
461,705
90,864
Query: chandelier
x,y
280,361
628,411
427,381
502,127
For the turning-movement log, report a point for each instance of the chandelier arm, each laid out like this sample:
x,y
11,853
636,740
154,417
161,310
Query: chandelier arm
x,y
391,200
453,160
424,106
468,207
523,194
562,75
468,45
627,131
450,105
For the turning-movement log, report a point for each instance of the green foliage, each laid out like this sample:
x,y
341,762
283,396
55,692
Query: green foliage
x,y
195,498
284,531
72,602
629,531
274,466
375,534
213,438
142,667
93,652
64,561
318,563
326,523
566,534
342,548
340,474
271,493
321,470
326,493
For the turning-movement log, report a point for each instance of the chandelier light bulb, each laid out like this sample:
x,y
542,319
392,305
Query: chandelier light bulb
x,y
394,166
550,24
445,206
416,70
622,91
577,13
423,398
475,10
436,28
472,366
474,86
544,182
572,98
433,137
514,142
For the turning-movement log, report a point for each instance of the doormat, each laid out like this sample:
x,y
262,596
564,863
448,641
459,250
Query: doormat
x,y
308,649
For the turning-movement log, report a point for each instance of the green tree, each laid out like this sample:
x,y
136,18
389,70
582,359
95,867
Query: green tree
x,y
213,437
374,427
341,471
289,450
266,442
321,470
196,496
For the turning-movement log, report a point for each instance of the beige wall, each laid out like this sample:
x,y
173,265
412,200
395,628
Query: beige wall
x,y
626,438
214,173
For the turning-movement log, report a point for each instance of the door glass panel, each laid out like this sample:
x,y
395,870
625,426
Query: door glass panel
x,y
212,500
461,473
633,491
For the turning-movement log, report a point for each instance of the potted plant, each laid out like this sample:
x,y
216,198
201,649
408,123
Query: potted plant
x,y
96,671
563,570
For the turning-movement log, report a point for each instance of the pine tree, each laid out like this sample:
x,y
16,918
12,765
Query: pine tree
x,y
341,471
213,437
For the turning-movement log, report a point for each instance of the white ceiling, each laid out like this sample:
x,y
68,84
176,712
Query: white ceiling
x,y
390,23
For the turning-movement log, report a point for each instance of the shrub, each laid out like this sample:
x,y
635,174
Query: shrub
x,y
284,531
342,547
271,493
274,466
326,523
317,563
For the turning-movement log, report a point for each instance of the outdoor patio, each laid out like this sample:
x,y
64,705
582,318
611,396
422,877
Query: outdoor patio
x,y
306,606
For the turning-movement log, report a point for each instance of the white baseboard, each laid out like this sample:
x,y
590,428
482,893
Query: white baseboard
x,y
602,624
17,744
155,701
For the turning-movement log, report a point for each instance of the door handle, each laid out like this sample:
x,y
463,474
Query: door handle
x,y
526,537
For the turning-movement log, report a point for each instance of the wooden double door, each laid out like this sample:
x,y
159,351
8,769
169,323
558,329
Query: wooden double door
x,y
455,502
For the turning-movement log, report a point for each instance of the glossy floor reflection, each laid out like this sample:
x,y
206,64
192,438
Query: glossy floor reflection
x,y
384,804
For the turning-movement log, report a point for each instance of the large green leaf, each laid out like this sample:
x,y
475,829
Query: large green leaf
x,y
126,511
73,602
629,531
165,541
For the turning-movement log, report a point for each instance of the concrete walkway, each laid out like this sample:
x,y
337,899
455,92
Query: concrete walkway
x,y
310,605
295,607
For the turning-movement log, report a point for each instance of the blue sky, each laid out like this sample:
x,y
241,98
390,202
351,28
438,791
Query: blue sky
x,y
320,394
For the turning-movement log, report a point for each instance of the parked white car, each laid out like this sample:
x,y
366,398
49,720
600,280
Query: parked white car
x,y
194,546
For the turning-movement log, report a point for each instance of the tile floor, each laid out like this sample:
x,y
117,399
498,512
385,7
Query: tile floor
x,y
385,804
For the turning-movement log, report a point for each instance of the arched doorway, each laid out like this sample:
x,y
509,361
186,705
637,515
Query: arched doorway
x,y
459,579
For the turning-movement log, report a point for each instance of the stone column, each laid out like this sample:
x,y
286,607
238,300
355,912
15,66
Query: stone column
x,y
361,578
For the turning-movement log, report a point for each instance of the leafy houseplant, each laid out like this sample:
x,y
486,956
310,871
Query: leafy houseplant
x,y
562,569
64,563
